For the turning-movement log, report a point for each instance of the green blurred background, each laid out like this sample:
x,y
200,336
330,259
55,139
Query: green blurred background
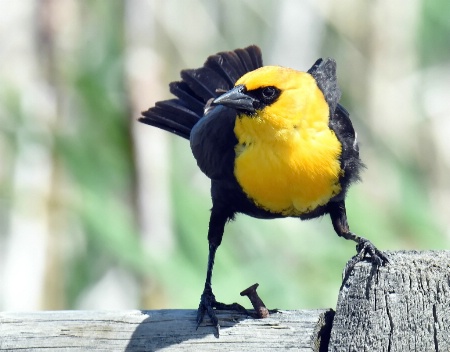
x,y
98,211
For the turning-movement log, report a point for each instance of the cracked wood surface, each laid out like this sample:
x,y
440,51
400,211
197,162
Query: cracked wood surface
x,y
404,306
160,330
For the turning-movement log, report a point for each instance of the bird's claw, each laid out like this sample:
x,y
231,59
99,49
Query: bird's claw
x,y
208,305
366,249
377,257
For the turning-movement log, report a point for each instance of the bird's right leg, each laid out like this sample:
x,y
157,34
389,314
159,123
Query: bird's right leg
x,y
364,247
207,300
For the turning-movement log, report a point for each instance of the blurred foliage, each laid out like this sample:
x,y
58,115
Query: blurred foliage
x,y
98,153
298,264
433,31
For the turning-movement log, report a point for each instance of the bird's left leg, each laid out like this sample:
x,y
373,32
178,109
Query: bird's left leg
x,y
364,247
208,301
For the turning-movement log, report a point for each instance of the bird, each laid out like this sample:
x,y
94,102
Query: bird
x,y
274,141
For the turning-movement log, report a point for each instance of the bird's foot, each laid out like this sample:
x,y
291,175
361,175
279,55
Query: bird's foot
x,y
366,249
208,305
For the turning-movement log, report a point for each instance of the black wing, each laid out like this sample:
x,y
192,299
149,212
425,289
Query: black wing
x,y
197,87
324,72
351,164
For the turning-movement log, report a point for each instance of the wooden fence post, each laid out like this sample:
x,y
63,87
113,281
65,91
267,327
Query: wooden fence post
x,y
404,306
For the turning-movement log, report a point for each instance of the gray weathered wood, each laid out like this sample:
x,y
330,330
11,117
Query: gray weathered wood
x,y
162,330
404,306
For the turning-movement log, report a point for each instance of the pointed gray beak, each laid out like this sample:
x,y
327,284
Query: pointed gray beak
x,y
236,99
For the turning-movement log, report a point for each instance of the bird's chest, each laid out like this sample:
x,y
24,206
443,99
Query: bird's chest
x,y
289,171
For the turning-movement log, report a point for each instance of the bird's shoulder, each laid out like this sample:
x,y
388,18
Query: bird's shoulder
x,y
213,141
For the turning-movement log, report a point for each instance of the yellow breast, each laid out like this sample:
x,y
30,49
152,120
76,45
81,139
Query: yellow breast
x,y
292,175
288,164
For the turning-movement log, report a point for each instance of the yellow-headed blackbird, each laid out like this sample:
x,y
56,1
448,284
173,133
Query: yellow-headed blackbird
x,y
274,141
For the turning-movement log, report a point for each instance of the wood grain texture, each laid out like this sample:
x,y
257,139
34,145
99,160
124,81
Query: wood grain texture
x,y
404,306
161,330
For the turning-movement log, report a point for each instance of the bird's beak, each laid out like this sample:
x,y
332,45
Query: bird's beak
x,y
236,99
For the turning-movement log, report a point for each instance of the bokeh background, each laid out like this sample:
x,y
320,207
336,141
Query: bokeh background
x,y
98,211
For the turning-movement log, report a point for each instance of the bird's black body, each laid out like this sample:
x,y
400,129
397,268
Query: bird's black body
x,y
213,140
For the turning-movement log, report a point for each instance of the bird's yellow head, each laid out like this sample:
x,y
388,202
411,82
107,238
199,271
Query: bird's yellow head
x,y
279,96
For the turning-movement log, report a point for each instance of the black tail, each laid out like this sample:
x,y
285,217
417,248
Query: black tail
x,y
198,86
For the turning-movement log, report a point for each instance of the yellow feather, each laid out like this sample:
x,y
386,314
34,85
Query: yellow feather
x,y
287,158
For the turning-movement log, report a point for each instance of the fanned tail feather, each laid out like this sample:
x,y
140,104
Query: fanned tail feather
x,y
197,87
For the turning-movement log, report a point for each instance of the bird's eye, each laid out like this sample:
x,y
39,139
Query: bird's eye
x,y
268,93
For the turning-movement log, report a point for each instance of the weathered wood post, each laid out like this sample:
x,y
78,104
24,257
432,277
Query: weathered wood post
x,y
404,306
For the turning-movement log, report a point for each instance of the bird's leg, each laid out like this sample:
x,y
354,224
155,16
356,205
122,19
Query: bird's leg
x,y
207,300
363,247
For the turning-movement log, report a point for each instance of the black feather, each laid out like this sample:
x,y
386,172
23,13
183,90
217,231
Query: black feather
x,y
324,72
197,87
351,164
185,94
204,82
